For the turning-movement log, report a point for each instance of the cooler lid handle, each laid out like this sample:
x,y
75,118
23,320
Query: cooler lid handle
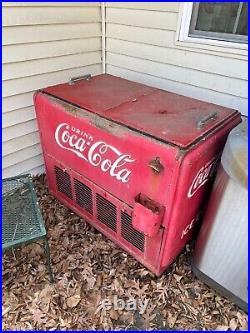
x,y
201,123
78,78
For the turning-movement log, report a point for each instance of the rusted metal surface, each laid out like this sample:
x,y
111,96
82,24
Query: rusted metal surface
x,y
166,116
100,93
122,139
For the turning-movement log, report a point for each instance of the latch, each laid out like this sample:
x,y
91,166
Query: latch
x,y
147,215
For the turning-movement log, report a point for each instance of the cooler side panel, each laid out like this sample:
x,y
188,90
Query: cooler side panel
x,y
195,180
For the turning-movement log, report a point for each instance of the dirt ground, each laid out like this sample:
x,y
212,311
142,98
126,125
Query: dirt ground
x,y
88,269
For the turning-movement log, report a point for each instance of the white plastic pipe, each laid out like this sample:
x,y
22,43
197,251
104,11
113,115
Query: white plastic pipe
x,y
103,17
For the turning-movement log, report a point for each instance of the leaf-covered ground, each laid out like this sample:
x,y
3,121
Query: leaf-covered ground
x,y
88,269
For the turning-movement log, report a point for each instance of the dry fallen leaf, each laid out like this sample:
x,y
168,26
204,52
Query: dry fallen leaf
x,y
171,319
233,324
113,314
5,310
73,301
38,317
89,268
177,277
242,320
222,328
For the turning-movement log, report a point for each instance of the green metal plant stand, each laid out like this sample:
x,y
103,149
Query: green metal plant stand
x,y
22,222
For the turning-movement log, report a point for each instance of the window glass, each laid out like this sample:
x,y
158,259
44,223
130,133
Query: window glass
x,y
220,20
217,17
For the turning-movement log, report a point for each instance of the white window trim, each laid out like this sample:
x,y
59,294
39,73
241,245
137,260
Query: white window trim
x,y
183,39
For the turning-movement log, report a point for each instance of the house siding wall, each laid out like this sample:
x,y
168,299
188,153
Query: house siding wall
x,y
47,43
141,45
43,44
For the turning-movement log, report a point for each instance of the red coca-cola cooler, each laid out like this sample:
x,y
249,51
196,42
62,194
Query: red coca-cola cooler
x,y
135,161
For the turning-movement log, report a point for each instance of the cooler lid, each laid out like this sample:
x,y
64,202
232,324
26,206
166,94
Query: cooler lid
x,y
163,115
99,93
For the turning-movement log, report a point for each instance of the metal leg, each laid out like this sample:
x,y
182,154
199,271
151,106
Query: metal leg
x,y
47,253
13,252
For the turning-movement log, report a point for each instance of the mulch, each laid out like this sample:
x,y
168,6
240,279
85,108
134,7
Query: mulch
x,y
90,268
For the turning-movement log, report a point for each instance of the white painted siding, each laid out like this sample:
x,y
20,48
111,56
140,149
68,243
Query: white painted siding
x,y
141,45
43,44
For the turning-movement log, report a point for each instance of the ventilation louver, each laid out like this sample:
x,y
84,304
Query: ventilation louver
x,y
63,182
106,212
83,196
136,238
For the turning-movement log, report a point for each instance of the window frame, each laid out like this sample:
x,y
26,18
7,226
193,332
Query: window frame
x,y
184,28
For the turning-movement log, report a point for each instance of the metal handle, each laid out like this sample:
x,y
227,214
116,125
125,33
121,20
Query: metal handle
x,y
78,78
201,123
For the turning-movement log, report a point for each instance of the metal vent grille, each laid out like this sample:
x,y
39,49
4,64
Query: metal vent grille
x,y
63,182
83,196
106,212
133,236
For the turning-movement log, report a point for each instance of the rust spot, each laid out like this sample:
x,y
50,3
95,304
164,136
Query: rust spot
x,y
148,203
67,107
163,111
100,123
180,154
155,177
106,126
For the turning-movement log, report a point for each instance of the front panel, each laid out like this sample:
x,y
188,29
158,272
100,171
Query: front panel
x,y
106,213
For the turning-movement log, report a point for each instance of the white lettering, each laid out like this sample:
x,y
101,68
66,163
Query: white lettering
x,y
142,305
119,304
190,225
203,175
100,154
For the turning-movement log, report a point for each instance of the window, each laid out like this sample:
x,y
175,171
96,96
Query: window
x,y
225,21
210,25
